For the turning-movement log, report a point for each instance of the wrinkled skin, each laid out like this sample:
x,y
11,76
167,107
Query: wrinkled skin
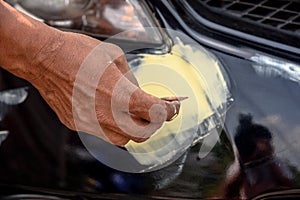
x,y
51,60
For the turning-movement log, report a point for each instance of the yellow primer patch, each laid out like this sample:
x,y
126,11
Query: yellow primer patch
x,y
186,71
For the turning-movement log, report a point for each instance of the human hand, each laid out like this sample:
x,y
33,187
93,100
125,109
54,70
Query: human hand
x,y
71,87
86,82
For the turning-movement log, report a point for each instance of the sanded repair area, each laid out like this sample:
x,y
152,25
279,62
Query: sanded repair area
x,y
187,71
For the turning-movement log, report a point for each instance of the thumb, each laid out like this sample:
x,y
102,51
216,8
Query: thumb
x,y
151,108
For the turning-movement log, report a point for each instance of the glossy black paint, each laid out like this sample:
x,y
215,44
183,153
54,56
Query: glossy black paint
x,y
271,101
40,155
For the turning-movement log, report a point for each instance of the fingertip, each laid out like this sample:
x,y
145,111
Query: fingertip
x,y
158,113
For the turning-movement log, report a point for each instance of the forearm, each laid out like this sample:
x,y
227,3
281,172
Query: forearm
x,y
25,42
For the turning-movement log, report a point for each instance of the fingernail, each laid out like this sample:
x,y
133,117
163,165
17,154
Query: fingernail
x,y
182,98
171,99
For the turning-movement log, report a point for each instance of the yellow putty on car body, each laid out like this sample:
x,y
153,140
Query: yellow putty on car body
x,y
186,71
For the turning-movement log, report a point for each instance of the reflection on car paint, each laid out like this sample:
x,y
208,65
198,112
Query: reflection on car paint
x,y
12,97
9,98
270,66
256,168
3,136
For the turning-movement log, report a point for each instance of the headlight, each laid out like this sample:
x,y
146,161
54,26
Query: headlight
x,y
99,18
56,9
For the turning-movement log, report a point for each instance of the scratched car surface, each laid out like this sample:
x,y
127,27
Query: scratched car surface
x,y
251,151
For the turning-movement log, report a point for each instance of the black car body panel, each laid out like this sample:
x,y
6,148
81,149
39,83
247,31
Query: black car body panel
x,y
257,154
